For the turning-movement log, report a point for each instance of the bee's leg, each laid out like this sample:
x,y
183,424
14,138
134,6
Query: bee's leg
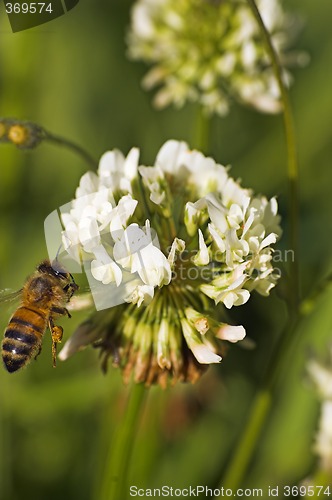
x,y
70,289
61,311
57,333
39,351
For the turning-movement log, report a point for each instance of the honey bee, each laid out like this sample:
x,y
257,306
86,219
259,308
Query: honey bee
x,y
43,299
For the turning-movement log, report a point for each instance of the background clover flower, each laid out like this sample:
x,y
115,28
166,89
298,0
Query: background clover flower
x,y
159,242
209,52
322,378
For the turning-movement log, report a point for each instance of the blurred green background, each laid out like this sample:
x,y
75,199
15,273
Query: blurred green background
x,y
56,426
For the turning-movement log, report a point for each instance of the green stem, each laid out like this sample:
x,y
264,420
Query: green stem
x,y
292,169
61,141
242,455
6,473
263,399
201,131
247,442
321,478
262,403
114,481
319,483
260,408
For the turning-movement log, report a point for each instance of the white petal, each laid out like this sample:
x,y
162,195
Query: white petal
x,y
71,241
323,442
137,293
202,257
204,355
131,164
194,215
265,103
121,214
89,212
88,184
217,238
141,21
217,213
269,240
168,156
129,242
201,352
111,163
228,299
106,273
151,174
248,223
178,246
153,178
157,198
89,233
163,346
236,298
154,269
231,333
80,339
322,378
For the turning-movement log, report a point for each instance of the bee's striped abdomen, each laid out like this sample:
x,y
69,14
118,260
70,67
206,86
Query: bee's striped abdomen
x,y
23,337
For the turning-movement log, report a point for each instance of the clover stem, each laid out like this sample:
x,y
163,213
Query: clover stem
x,y
202,131
61,141
261,405
117,464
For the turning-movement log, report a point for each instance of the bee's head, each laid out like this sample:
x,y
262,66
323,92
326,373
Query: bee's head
x,y
58,271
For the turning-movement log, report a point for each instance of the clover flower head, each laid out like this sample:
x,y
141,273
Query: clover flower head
x,y
166,248
209,51
321,376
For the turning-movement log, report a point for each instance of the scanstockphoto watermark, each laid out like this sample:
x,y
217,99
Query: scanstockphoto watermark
x,y
194,491
287,491
186,271
283,256
205,274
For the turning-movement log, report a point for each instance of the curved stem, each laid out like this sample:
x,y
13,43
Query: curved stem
x,y
114,481
262,402
61,141
292,169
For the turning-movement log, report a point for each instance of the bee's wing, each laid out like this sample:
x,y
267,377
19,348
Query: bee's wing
x,y
7,296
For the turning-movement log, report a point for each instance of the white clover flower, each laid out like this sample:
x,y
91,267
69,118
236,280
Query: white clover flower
x,y
116,171
103,267
322,378
153,178
209,51
323,444
136,253
169,237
